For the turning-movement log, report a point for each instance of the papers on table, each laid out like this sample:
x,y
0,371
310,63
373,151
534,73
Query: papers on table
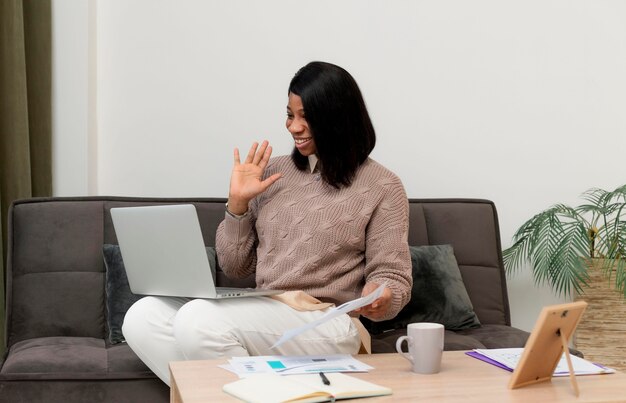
x,y
332,313
288,365
507,358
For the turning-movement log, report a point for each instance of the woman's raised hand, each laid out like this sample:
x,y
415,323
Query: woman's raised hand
x,y
246,180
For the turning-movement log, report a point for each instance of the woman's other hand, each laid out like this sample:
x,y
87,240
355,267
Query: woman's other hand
x,y
377,309
246,180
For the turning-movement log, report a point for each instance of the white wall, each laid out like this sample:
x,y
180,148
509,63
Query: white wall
x,y
74,97
518,102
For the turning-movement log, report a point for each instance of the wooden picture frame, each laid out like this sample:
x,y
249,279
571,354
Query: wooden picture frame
x,y
546,344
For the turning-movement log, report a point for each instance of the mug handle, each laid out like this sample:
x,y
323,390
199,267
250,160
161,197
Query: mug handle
x,y
409,341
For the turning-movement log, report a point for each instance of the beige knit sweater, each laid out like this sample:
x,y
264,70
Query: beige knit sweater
x,y
303,234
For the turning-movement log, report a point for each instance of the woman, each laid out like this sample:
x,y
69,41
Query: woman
x,y
326,222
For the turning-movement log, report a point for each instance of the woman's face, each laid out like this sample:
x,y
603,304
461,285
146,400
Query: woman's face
x,y
298,126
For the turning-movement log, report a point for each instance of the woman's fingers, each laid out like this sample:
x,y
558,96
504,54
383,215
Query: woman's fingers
x,y
259,156
269,181
251,154
246,181
266,157
379,307
256,155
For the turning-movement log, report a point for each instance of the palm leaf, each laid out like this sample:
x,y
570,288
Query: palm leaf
x,y
524,238
620,276
620,192
557,257
568,269
611,240
595,196
515,256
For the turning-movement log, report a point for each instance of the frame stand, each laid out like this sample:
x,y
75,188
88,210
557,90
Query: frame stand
x,y
572,375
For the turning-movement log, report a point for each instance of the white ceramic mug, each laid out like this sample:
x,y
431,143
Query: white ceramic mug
x,y
425,341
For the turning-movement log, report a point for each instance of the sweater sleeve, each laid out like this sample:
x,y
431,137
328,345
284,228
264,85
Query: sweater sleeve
x,y
235,244
387,255
236,239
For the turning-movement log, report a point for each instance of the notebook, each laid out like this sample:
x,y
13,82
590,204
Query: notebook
x,y
309,388
164,253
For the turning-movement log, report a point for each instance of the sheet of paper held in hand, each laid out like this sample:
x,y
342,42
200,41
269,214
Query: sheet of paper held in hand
x,y
289,365
332,313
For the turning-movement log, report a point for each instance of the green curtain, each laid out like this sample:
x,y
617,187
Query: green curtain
x,y
25,112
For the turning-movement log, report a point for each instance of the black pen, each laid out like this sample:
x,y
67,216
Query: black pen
x,y
324,379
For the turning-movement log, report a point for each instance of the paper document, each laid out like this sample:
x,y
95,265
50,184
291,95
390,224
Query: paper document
x,y
508,358
289,365
332,313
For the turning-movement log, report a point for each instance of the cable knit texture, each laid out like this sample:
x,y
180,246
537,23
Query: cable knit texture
x,y
303,234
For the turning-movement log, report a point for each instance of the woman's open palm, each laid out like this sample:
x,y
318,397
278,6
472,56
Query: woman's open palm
x,y
246,181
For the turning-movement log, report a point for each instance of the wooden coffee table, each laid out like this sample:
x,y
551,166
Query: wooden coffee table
x,y
462,379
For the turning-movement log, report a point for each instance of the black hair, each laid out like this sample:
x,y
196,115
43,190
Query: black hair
x,y
338,120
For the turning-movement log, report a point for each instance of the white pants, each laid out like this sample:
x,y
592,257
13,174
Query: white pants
x,y
164,329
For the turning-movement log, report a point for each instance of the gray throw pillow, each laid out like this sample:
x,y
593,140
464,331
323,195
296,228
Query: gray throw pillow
x,y
438,294
118,295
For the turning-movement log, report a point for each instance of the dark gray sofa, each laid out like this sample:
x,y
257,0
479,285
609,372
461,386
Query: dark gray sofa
x,y
57,348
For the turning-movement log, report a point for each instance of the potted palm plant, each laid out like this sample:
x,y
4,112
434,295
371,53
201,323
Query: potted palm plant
x,y
562,241
581,252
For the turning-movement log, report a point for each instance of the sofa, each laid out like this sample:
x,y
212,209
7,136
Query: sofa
x,y
57,332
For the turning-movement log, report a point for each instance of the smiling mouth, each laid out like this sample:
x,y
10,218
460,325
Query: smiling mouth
x,y
302,141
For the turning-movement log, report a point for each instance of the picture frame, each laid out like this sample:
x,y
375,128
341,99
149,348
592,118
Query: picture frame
x,y
548,340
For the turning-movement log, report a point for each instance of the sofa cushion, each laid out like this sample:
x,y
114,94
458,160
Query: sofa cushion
x,y
486,336
61,303
471,227
32,390
57,354
121,359
71,358
496,336
438,294
119,297
452,341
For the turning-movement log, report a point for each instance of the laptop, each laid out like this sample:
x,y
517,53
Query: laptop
x,y
164,253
